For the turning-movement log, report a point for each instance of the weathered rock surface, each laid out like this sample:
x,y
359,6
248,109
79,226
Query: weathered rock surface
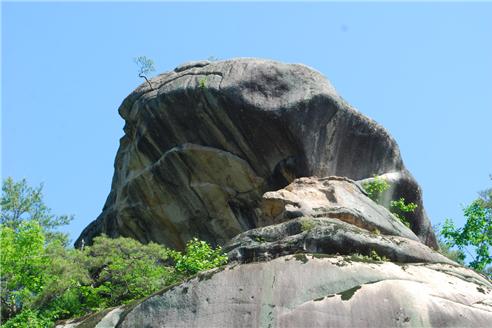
x,y
331,215
325,236
335,197
310,291
209,138
266,159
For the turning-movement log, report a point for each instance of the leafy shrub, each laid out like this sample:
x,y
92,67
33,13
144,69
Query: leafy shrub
x,y
202,83
373,256
28,319
399,207
376,187
42,280
477,233
376,257
123,269
198,256
307,225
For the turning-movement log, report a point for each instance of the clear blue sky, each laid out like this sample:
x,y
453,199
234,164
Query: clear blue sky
x,y
422,70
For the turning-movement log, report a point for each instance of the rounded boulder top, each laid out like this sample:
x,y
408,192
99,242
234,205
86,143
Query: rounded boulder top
x,y
205,141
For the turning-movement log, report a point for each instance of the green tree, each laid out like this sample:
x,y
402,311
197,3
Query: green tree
x,y
28,319
453,254
20,203
145,67
476,233
198,256
376,188
42,280
22,263
475,237
123,269
400,207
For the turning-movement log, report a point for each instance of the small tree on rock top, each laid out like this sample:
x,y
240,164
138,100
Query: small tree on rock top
x,y
146,66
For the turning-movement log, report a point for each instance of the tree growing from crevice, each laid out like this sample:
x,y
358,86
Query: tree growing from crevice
x,y
145,66
399,208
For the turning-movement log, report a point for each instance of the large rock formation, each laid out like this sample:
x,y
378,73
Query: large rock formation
x,y
243,153
334,258
205,142
314,291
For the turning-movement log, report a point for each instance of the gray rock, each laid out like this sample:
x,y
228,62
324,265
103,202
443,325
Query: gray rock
x,y
266,121
107,318
309,291
326,236
335,197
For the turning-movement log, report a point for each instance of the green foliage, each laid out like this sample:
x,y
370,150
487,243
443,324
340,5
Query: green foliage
x,y
145,67
376,231
43,281
22,261
28,319
376,257
198,256
52,282
202,82
307,225
123,269
375,188
453,254
259,239
399,208
373,256
22,203
476,233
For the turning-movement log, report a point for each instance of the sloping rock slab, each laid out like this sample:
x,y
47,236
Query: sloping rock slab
x,y
321,292
327,236
335,197
278,121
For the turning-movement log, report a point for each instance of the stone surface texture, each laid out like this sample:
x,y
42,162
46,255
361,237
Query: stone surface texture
x,y
267,160
310,291
325,236
334,197
208,139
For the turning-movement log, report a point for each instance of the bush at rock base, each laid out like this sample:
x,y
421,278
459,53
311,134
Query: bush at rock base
x,y
59,283
42,280
198,256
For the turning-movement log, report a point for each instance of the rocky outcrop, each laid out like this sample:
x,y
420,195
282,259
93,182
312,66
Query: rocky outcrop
x,y
331,215
267,160
315,291
204,143
334,197
326,236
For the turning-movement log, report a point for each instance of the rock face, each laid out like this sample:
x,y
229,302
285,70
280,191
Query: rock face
x,y
311,291
334,197
208,139
243,153
329,215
